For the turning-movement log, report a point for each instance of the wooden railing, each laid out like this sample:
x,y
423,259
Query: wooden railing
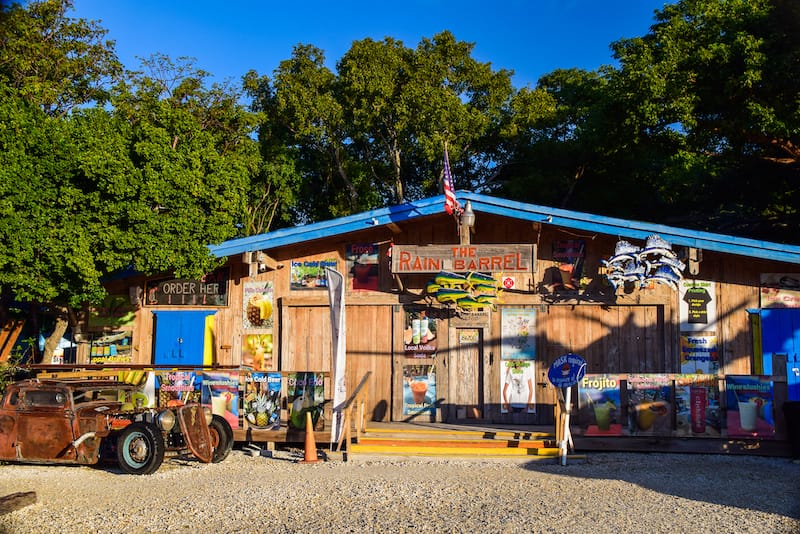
x,y
355,415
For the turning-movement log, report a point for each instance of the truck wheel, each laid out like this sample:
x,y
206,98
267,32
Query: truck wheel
x,y
221,438
140,449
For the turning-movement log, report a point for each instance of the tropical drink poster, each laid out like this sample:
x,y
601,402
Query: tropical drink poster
x,y
220,392
599,405
517,386
750,404
420,333
518,334
362,265
257,351
699,353
258,305
262,400
419,389
697,406
698,306
311,274
305,393
176,388
650,407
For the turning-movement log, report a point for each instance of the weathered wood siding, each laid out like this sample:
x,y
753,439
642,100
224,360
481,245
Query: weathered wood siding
x,y
634,331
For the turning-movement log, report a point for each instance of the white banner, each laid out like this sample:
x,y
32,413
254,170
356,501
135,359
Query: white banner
x,y
339,356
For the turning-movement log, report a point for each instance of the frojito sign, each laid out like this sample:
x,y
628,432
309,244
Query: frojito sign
x,y
463,258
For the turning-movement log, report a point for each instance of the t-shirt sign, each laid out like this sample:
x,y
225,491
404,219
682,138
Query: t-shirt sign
x,y
567,370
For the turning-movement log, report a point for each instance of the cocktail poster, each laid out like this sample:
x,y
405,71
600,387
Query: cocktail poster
x,y
257,351
750,404
650,407
517,386
419,389
177,387
262,400
697,406
699,353
305,393
220,392
518,327
362,265
599,405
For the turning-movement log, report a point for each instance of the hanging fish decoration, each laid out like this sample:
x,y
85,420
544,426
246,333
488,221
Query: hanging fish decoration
x,y
656,262
472,292
445,295
450,280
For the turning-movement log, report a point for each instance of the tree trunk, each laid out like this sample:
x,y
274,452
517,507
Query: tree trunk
x,y
59,330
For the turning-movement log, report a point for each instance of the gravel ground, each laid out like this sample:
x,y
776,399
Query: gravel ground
x,y
606,492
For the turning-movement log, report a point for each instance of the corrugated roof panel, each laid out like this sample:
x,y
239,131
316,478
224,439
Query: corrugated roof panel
x,y
622,228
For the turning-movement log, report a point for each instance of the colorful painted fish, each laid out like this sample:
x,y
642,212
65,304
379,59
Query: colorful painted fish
x,y
450,280
450,295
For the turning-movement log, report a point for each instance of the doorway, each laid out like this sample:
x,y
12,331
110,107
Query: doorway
x,y
465,376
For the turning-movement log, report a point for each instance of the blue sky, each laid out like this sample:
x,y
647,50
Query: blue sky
x,y
229,38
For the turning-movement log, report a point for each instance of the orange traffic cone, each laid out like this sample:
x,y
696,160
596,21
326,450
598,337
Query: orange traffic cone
x,y
310,455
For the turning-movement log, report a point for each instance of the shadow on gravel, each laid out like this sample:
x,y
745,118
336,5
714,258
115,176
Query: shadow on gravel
x,y
761,484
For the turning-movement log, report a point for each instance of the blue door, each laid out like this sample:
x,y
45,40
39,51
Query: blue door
x,y
780,334
179,337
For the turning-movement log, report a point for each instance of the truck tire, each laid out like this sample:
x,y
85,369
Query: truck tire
x,y
140,449
221,438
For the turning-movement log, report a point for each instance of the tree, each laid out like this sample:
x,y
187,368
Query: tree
x,y
52,60
698,126
89,191
372,134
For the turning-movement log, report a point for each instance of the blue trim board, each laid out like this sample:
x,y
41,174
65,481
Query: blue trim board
x,y
621,228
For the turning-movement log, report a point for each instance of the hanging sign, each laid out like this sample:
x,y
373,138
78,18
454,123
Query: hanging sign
x,y
567,370
463,258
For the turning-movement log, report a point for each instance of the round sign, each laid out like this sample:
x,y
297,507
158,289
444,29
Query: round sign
x,y
567,370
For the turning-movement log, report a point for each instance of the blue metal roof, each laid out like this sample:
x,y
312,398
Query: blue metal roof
x,y
621,228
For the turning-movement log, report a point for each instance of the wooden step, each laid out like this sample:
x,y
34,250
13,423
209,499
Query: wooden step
x,y
415,450
457,442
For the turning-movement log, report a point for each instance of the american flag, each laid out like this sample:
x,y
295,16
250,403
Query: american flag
x,y
450,202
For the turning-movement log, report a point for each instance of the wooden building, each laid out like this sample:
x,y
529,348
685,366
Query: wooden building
x,y
541,290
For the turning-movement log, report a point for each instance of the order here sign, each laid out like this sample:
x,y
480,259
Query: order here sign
x,y
463,258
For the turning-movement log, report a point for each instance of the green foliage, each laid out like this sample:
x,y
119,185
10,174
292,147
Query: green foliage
x,y
53,61
699,126
373,133
86,192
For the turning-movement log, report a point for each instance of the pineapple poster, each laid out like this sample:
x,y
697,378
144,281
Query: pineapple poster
x,y
258,305
220,392
262,400
305,393
257,324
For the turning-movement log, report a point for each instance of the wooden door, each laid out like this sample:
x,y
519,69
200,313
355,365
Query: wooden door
x,y
465,376
306,346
